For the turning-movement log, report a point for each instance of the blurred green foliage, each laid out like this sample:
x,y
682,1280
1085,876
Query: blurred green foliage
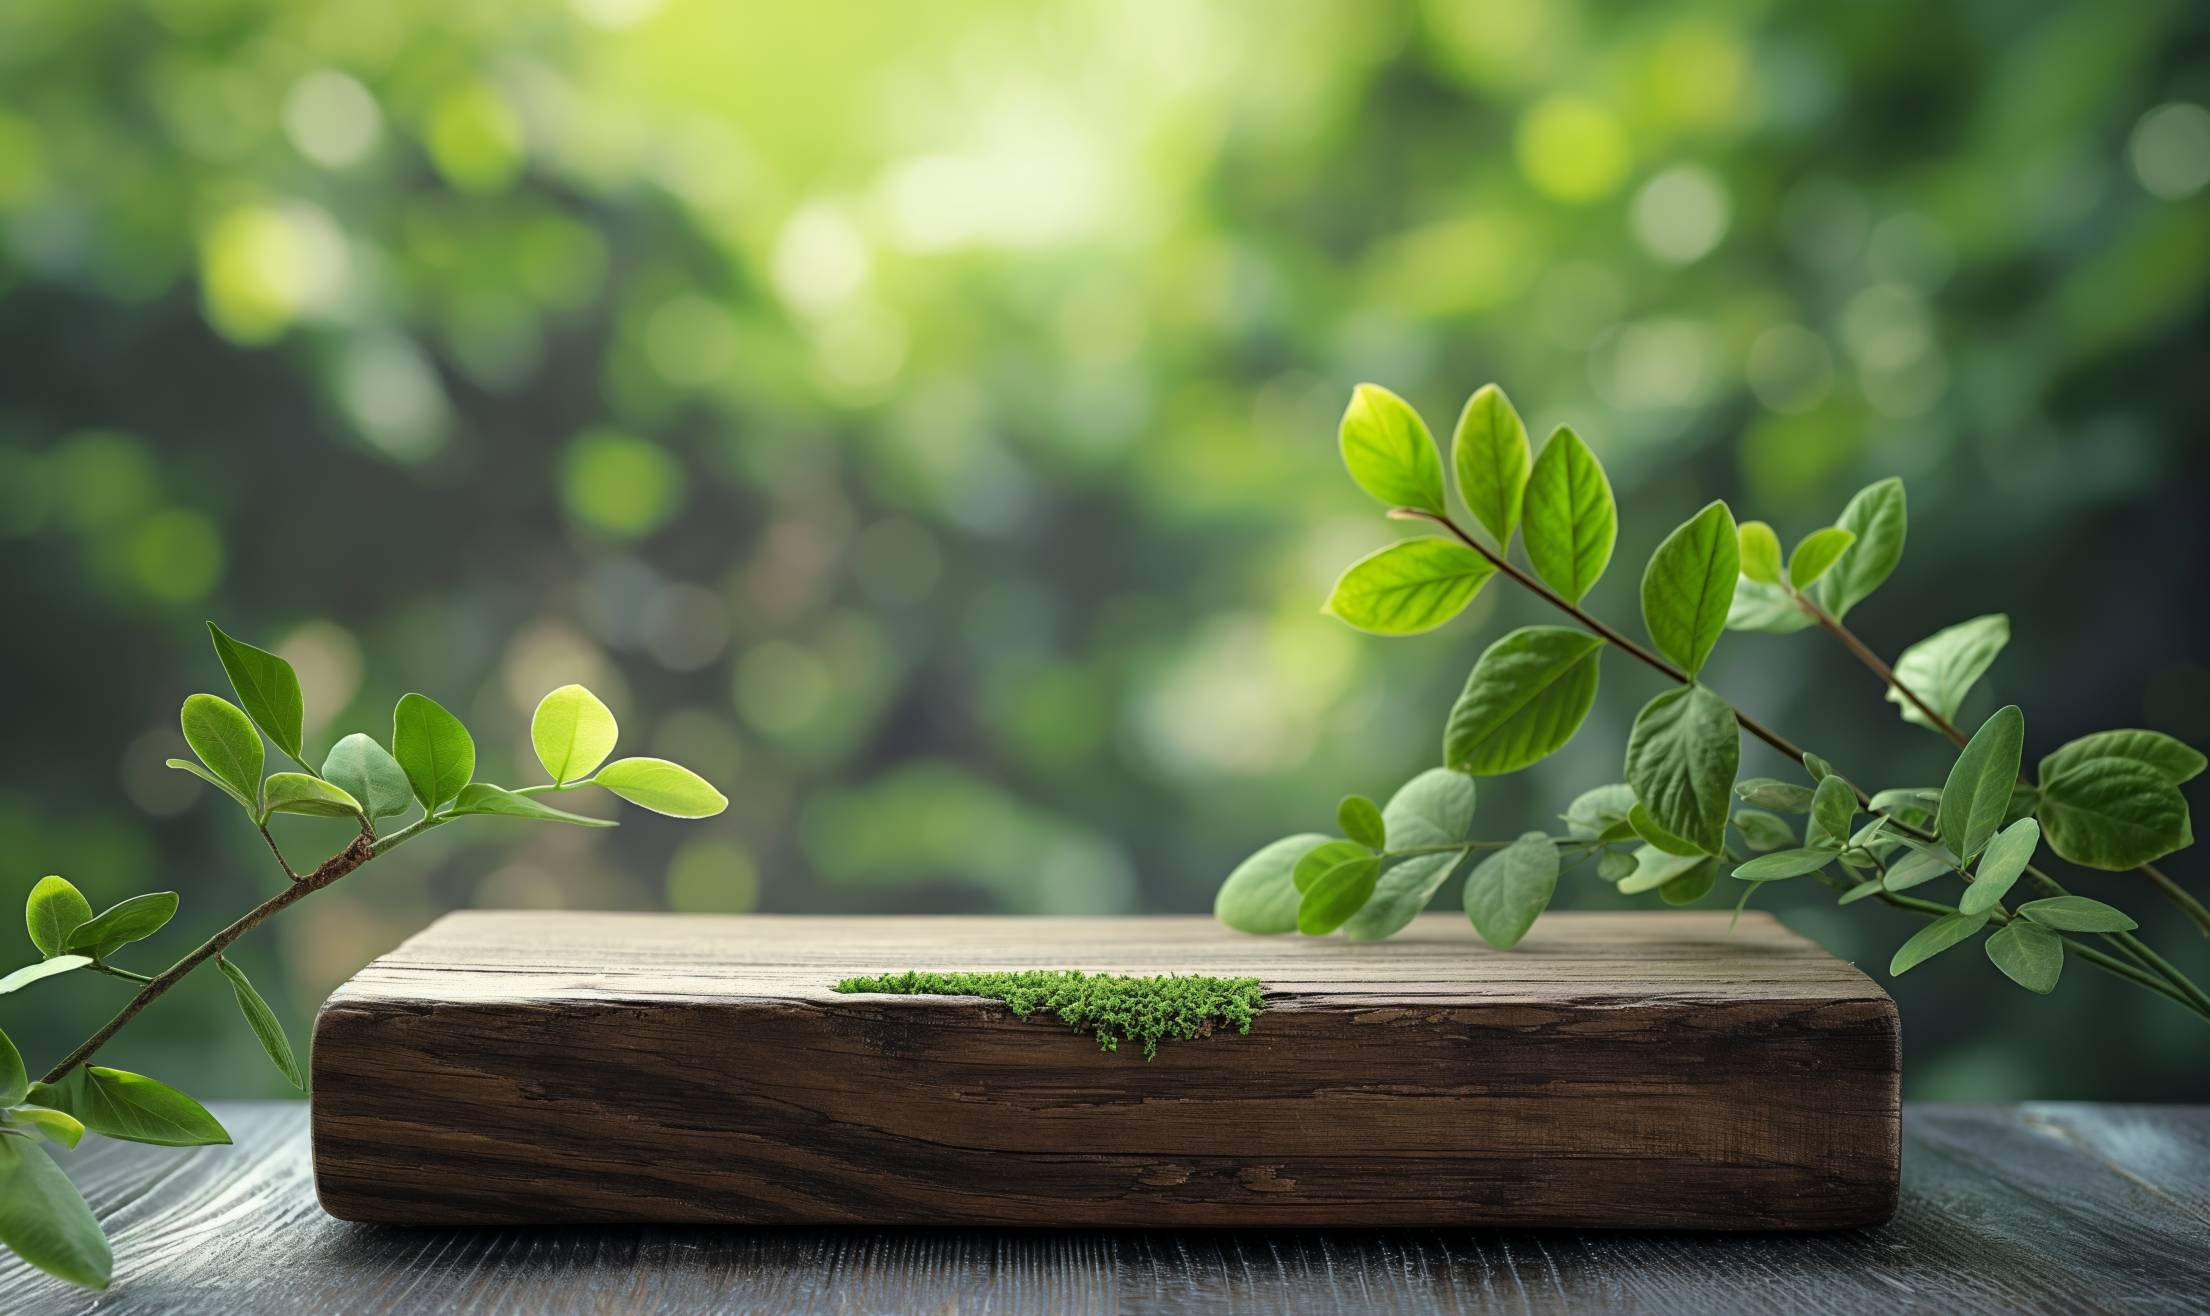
x,y
921,418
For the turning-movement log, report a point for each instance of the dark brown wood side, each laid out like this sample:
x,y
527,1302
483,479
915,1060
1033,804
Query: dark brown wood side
x,y
1622,1070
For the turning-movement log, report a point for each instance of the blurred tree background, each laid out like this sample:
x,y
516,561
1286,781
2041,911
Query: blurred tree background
x,y
921,419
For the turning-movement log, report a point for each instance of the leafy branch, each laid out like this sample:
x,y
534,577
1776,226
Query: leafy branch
x,y
430,765
2107,801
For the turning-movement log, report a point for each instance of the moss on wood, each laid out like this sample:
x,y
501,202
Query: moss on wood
x,y
1111,1007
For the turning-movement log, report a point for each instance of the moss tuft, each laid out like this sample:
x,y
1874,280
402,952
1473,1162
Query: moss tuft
x,y
1114,1008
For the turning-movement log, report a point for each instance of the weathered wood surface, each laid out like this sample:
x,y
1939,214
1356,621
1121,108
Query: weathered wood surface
x,y
2046,1208
1638,1070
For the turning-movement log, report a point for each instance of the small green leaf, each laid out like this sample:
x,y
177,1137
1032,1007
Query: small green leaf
x,y
433,748
573,732
1763,831
262,1020
124,922
15,1082
1571,520
1860,891
2077,914
1655,869
1389,452
267,687
1785,864
1767,793
2176,762
1942,668
1260,896
54,910
1833,808
117,1104
662,787
1489,454
2028,954
1411,586
296,792
46,968
2004,859
1507,892
1689,586
43,1218
186,765
1878,517
1758,606
481,797
1978,791
1601,813
1816,553
1692,886
1318,861
1526,696
1920,867
1337,893
1819,768
1935,938
1759,549
2113,813
1911,804
1644,826
1681,758
64,1129
1615,865
226,742
1360,819
364,770
1434,808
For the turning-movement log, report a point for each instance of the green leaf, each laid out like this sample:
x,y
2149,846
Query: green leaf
x,y
2077,914
1507,892
1317,861
1977,793
1911,804
1411,586
47,968
481,797
1817,552
262,1020
1785,864
14,1081
2113,813
186,765
117,1104
1758,606
573,732
1360,819
1681,758
43,1218
363,769
1655,869
2176,762
124,922
662,787
1942,668
432,748
1691,886
226,742
1689,587
54,910
1878,517
1867,888
1489,454
1919,867
1759,549
1434,808
1339,891
1763,831
1615,865
2005,858
53,1124
1389,452
2029,954
1571,520
1526,696
1644,826
1935,938
1260,896
267,687
1601,813
1767,793
296,792
1833,808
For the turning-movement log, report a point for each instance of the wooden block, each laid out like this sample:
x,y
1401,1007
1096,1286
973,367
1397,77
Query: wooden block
x,y
1643,1070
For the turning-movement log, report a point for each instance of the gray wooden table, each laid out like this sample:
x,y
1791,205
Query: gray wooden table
x,y
2042,1208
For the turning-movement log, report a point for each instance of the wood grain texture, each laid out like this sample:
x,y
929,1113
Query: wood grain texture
x,y
2047,1208
1637,1070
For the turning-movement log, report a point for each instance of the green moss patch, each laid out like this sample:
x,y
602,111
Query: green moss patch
x,y
1112,1008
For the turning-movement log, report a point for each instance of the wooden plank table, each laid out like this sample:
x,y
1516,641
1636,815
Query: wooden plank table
x,y
2044,1208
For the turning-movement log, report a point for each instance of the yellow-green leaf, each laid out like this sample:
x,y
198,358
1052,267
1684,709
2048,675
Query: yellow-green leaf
x,y
1411,586
1389,452
573,732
